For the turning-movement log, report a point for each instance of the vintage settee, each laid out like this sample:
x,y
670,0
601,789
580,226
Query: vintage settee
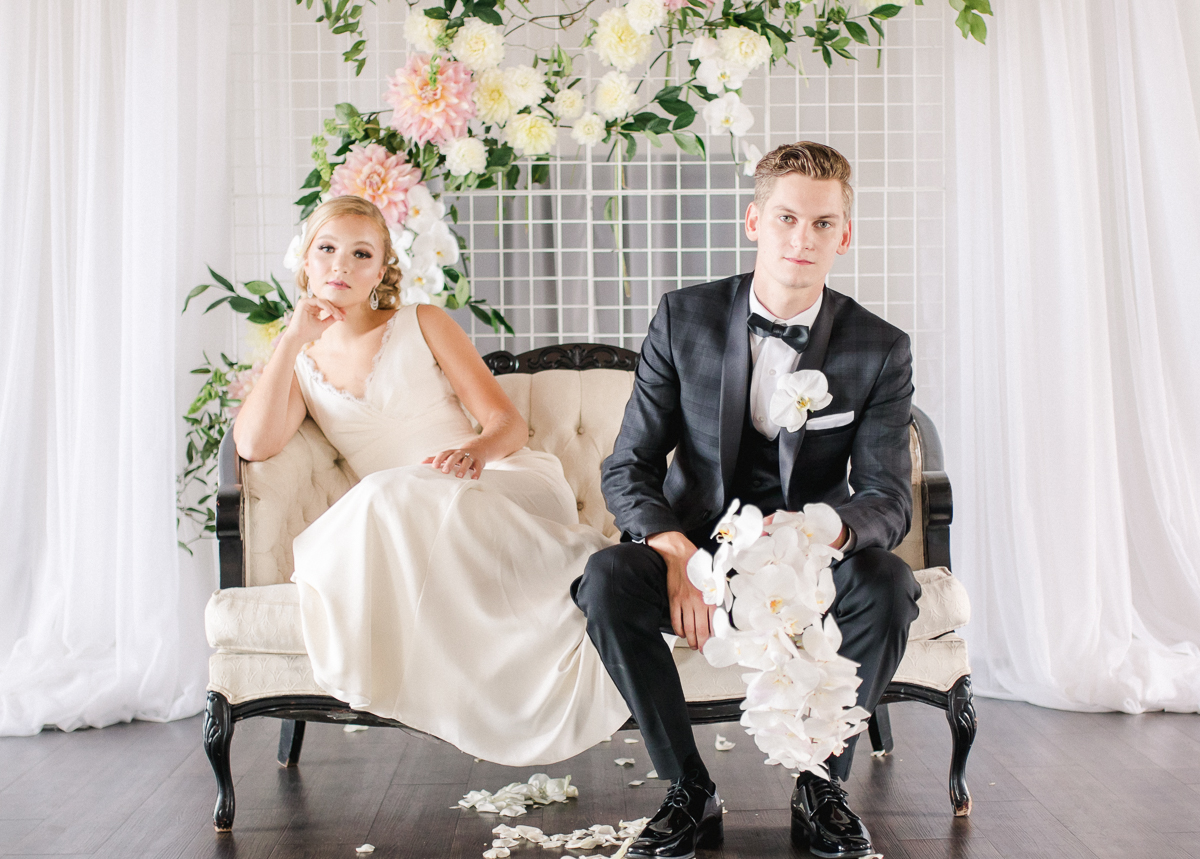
x,y
573,398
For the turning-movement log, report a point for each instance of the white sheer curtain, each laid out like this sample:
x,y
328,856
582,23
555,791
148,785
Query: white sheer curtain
x,y
111,165
1074,432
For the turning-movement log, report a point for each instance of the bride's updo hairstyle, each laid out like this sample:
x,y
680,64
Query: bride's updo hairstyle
x,y
389,289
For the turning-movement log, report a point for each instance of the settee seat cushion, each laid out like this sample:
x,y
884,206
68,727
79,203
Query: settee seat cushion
x,y
260,645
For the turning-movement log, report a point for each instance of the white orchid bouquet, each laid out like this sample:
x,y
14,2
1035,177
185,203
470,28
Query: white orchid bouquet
x,y
773,587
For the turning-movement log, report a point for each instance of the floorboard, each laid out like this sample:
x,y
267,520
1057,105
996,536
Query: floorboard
x,y
1045,783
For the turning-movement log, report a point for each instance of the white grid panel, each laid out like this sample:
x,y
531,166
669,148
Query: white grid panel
x,y
547,256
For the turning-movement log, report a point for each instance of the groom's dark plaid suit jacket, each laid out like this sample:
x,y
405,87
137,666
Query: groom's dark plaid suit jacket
x,y
690,396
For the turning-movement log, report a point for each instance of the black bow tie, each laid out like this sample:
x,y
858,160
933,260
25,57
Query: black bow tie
x,y
795,336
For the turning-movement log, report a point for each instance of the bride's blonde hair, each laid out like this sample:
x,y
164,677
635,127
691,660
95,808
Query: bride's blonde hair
x,y
388,290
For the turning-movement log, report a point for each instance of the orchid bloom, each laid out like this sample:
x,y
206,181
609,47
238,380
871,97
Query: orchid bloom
x,y
798,394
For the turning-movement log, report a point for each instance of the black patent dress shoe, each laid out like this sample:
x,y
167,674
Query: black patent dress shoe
x,y
823,823
689,817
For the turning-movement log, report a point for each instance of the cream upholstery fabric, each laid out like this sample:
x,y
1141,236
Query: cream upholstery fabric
x,y
573,415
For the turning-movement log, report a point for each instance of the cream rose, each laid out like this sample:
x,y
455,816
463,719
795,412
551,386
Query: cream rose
x,y
465,155
524,85
615,95
568,104
588,130
742,46
492,104
645,15
617,43
422,32
478,46
530,135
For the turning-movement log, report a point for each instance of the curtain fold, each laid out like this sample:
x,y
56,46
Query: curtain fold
x,y
101,138
1074,432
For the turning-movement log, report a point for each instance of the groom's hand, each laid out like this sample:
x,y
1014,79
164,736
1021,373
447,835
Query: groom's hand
x,y
691,617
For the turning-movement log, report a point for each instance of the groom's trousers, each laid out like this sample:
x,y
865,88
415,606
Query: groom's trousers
x,y
623,593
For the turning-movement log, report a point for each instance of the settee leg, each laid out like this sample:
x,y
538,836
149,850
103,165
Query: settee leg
x,y
291,739
961,715
879,729
218,733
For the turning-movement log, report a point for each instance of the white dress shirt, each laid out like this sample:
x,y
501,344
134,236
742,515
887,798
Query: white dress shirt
x,y
772,359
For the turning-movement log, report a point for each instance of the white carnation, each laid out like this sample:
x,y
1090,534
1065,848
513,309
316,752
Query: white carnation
x,y
465,155
617,43
524,85
645,15
588,130
478,46
746,47
615,95
727,113
530,135
568,104
492,104
422,32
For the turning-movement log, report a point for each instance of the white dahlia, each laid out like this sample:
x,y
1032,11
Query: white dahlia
x,y
478,46
618,43
615,95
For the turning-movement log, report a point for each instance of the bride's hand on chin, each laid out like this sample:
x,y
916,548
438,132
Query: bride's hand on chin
x,y
312,316
459,461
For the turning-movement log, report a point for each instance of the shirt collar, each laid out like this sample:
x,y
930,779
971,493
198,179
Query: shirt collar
x,y
804,317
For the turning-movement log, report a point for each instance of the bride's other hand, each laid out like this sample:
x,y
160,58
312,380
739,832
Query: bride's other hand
x,y
460,462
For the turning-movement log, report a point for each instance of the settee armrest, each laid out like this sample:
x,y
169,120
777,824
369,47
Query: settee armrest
x,y
229,514
937,499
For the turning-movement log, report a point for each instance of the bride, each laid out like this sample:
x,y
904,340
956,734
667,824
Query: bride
x,y
436,591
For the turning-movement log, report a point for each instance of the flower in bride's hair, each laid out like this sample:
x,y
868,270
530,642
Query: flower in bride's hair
x,y
292,260
568,104
743,46
798,394
727,113
465,155
645,15
530,134
431,103
423,210
421,31
478,45
618,43
436,246
373,173
588,130
615,95
492,103
402,239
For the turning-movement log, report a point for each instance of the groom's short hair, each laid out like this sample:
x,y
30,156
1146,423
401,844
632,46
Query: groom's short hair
x,y
814,160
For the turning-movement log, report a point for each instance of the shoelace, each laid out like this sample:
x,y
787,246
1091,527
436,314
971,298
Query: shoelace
x,y
677,796
827,791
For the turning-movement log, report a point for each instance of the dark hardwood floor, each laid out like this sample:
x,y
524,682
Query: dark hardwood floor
x,y
1045,784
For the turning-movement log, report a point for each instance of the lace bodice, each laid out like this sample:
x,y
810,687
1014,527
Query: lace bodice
x,y
408,410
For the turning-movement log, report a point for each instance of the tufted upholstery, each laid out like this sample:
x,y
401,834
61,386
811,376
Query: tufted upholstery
x,y
571,414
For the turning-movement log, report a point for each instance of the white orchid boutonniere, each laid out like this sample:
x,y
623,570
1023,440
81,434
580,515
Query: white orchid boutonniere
x,y
798,394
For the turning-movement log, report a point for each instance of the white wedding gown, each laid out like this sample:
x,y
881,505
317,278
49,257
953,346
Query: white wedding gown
x,y
444,602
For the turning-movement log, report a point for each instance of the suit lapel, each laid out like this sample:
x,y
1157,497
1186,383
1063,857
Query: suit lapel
x,y
735,379
813,358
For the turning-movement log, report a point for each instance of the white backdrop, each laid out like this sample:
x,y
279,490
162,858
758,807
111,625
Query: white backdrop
x,y
111,136
1074,431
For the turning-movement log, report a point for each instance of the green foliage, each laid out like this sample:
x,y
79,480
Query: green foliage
x,y
343,18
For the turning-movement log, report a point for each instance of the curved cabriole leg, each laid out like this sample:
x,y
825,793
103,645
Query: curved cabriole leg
x,y
291,739
218,733
961,715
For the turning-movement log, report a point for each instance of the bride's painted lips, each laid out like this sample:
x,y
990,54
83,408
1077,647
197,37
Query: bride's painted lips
x,y
337,284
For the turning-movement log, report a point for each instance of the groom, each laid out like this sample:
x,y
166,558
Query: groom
x,y
710,362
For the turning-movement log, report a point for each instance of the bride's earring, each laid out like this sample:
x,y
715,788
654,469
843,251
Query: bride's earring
x,y
375,297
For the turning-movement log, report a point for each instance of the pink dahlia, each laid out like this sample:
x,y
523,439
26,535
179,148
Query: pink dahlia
x,y
377,175
431,105
676,5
